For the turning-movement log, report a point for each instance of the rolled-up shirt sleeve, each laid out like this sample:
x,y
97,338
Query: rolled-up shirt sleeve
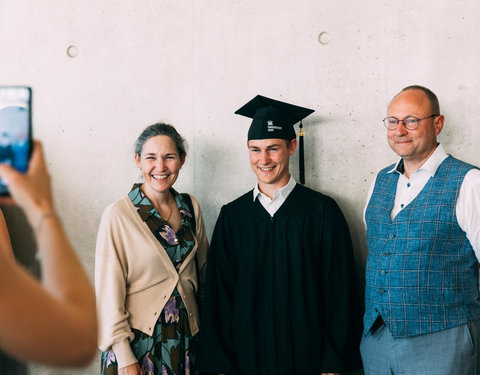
x,y
468,208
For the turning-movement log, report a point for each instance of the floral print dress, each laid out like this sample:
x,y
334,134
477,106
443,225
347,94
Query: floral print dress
x,y
171,349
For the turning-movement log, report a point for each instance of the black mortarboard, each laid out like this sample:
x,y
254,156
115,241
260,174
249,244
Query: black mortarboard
x,y
275,119
272,118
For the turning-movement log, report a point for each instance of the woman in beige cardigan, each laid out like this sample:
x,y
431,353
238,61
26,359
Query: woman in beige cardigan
x,y
149,268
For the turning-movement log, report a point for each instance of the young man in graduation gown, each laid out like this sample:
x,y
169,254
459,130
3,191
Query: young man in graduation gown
x,y
281,293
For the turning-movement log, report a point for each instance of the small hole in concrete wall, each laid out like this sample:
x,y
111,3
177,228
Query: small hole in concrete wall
x,y
324,38
72,51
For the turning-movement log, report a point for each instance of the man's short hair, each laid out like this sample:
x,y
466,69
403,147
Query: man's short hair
x,y
432,98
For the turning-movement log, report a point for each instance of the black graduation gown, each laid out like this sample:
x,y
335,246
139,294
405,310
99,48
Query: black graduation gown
x,y
281,293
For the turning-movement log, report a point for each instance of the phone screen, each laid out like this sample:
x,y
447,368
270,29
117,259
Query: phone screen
x,y
15,128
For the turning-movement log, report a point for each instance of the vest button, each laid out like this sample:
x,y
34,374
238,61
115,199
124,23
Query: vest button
x,y
383,272
391,236
386,253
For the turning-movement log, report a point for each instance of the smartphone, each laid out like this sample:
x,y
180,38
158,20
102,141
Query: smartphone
x,y
15,128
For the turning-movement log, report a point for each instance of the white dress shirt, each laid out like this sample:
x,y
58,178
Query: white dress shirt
x,y
468,201
279,196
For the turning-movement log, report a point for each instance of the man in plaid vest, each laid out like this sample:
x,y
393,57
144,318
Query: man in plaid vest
x,y
422,307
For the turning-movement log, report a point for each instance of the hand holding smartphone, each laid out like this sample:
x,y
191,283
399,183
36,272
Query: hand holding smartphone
x,y
15,129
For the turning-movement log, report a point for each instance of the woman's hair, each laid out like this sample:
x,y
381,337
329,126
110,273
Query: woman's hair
x,y
161,129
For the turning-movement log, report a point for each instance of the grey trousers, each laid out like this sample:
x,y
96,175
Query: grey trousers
x,y
453,351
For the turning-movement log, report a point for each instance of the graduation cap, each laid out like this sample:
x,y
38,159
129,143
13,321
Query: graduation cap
x,y
275,119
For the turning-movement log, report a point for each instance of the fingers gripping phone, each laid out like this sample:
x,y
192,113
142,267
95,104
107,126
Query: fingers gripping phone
x,y
15,128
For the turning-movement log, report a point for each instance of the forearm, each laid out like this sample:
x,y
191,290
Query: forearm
x,y
62,273
36,326
65,280
44,323
54,323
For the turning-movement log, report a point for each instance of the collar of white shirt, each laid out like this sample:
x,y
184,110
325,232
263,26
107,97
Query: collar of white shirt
x,y
431,165
279,196
283,191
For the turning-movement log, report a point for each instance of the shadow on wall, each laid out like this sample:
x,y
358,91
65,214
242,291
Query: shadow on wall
x,y
24,247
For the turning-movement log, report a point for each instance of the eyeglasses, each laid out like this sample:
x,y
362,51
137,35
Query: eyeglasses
x,y
410,122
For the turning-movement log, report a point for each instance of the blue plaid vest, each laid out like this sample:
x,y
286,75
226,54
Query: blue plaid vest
x,y
422,273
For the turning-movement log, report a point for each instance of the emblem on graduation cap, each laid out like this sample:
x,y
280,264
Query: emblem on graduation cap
x,y
275,119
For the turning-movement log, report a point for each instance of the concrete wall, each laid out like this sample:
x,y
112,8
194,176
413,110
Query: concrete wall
x,y
193,63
